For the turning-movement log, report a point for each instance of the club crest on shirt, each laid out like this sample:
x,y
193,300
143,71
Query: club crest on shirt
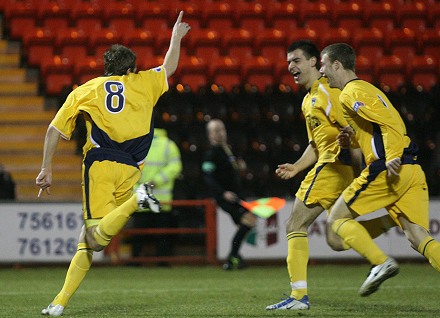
x,y
158,69
357,105
313,101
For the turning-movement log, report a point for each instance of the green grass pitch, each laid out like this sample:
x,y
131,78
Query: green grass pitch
x,y
206,291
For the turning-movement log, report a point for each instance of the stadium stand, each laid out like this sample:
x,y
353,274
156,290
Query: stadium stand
x,y
315,15
348,15
283,15
120,16
380,14
72,43
233,65
218,15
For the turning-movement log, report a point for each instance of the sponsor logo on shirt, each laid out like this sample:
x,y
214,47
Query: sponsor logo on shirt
x,y
357,105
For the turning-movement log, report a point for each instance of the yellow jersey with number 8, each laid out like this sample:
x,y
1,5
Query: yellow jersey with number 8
x,y
118,111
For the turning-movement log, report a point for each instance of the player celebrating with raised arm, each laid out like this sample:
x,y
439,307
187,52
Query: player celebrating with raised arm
x,y
392,179
117,108
326,180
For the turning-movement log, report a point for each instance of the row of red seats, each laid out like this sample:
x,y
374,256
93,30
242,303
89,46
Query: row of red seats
x,y
389,72
241,44
221,15
73,44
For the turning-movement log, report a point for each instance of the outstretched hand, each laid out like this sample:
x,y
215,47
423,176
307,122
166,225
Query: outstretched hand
x,y
180,28
286,171
44,181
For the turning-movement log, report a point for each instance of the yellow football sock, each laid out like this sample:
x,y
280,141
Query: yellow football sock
x,y
354,235
377,226
79,266
430,248
297,259
112,223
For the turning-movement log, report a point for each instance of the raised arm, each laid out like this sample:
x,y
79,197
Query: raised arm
x,y
171,60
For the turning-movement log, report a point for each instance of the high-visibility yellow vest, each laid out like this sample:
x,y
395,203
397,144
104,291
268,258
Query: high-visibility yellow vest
x,y
162,166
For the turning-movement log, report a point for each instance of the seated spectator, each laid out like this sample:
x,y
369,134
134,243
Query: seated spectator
x,y
7,185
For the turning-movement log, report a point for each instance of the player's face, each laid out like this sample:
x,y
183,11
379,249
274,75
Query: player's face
x,y
328,71
300,67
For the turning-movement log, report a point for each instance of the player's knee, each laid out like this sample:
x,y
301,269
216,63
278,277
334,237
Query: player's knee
x,y
335,245
333,240
94,245
91,240
296,225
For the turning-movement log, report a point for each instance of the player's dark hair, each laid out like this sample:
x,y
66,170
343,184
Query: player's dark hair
x,y
309,49
118,60
342,52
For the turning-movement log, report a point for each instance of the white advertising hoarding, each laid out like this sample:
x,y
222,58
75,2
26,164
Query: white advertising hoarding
x,y
48,232
268,239
36,232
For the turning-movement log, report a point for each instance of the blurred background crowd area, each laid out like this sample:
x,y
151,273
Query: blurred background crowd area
x,y
233,67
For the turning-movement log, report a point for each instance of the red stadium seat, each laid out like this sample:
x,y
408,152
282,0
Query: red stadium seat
x,y
88,16
20,18
251,15
218,15
100,41
142,42
38,45
369,42
380,15
69,3
205,43
412,15
434,15
364,69
258,72
301,34
271,43
72,43
54,16
57,73
153,16
239,44
226,72
315,15
401,42
335,35
349,15
429,42
120,16
153,62
395,3
192,72
423,72
87,69
283,15
390,72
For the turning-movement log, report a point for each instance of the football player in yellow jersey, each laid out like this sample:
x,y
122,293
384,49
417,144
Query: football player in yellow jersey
x,y
392,179
330,175
117,108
